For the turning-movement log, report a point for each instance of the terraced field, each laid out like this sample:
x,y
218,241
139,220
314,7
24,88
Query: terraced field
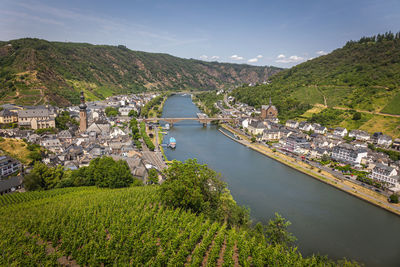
x,y
91,226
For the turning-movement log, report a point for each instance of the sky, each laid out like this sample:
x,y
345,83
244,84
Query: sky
x,y
279,33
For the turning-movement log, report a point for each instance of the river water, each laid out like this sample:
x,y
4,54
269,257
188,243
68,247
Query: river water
x,y
325,220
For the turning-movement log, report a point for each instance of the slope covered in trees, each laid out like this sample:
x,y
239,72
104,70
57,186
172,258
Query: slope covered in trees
x,y
34,71
362,75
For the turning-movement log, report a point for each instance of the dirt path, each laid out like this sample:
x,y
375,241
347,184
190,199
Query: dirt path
x,y
369,112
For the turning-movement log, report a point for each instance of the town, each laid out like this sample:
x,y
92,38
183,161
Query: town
x,y
102,128
73,136
370,160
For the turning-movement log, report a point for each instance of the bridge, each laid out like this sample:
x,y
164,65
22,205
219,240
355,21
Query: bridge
x,y
203,120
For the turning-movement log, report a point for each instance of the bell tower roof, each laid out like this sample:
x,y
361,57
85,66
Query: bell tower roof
x,y
83,104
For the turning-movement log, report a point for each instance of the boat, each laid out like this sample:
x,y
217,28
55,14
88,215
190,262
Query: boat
x,y
172,142
167,126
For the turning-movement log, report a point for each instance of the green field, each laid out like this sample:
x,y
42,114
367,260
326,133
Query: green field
x,y
96,227
393,107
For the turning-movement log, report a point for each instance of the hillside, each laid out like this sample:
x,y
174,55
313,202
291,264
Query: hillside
x,y
34,71
363,75
91,226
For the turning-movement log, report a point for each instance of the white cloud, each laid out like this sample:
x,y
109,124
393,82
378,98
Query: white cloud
x,y
259,56
236,57
205,57
321,52
292,59
252,60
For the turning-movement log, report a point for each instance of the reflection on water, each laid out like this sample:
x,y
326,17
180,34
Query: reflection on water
x,y
324,219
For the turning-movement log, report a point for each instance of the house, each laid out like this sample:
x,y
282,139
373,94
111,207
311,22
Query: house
x,y
65,136
305,126
318,152
116,132
384,140
8,166
339,131
348,154
245,122
10,185
7,116
36,118
375,136
100,127
386,174
136,166
294,142
54,145
396,144
320,129
256,127
272,134
292,124
124,111
359,135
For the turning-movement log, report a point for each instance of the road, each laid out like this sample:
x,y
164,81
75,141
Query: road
x,y
335,178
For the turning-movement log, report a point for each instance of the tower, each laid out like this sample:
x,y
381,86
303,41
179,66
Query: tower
x,y
82,114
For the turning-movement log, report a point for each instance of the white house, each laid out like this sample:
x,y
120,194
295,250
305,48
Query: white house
x,y
292,124
348,154
320,129
359,135
116,131
384,140
386,174
339,131
305,126
256,127
245,123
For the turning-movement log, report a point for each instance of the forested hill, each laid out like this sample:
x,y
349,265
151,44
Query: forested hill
x,y
362,75
34,71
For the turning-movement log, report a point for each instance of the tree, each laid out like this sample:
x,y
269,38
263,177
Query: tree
x,y
106,172
394,198
357,116
253,139
133,114
153,176
111,112
277,233
43,177
192,186
64,121
325,158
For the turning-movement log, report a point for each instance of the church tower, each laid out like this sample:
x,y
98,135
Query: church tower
x,y
82,114
269,111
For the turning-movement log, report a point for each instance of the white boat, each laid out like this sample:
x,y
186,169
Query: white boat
x,y
172,142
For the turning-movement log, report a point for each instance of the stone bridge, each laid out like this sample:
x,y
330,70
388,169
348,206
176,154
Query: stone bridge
x,y
203,120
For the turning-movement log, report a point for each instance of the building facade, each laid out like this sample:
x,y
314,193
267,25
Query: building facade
x,y
385,174
8,166
348,154
269,111
36,118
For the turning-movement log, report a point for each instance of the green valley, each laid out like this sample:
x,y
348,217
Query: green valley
x,y
35,71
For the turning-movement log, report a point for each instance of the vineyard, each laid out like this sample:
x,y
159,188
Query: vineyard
x,y
92,226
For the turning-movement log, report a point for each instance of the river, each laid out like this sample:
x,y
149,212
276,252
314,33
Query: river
x,y
325,220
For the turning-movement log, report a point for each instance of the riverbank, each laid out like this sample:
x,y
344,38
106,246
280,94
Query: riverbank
x,y
319,174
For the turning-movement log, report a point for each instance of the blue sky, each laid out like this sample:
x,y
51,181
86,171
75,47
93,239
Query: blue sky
x,y
279,33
